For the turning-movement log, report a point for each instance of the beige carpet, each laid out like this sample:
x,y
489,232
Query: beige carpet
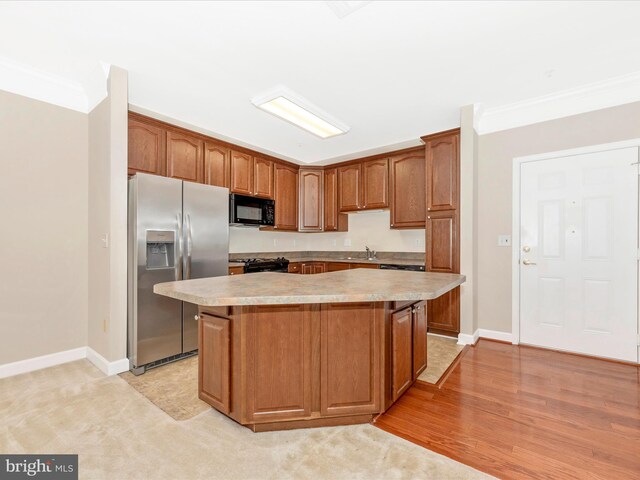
x,y
119,434
172,387
441,352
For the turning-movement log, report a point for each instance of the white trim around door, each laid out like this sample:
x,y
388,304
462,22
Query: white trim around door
x,y
515,260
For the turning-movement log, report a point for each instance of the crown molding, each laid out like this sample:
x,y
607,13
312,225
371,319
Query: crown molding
x,y
33,83
586,98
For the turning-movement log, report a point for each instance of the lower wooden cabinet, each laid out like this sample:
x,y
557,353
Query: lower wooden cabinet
x,y
408,347
214,368
350,370
278,363
401,349
419,339
295,267
444,313
337,266
313,267
236,270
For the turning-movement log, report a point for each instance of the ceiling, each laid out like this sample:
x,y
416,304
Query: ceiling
x,y
392,71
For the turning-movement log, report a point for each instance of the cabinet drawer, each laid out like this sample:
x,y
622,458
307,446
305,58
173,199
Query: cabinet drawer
x,y
401,304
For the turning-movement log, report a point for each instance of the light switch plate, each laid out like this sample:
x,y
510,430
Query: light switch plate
x,y
347,242
504,240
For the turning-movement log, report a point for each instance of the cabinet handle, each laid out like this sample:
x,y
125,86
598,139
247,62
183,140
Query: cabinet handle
x,y
196,317
413,310
429,209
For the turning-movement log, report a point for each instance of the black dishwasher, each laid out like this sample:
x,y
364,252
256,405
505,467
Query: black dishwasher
x,y
413,268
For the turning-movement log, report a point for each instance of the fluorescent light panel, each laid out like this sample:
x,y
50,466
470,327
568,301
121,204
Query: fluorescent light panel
x,y
293,109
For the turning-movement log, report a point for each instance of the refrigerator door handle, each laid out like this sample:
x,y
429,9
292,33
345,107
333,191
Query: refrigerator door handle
x,y
178,267
189,246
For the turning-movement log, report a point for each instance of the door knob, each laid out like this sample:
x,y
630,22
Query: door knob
x,y
526,249
528,262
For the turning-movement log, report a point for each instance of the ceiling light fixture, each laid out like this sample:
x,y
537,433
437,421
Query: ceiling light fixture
x,y
294,109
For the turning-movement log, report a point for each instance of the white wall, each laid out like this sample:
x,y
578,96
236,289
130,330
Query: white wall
x,y
43,213
495,160
370,229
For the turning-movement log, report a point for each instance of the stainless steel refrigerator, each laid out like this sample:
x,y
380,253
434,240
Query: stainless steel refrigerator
x,y
177,231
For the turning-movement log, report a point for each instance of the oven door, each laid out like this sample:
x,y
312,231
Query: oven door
x,y
244,210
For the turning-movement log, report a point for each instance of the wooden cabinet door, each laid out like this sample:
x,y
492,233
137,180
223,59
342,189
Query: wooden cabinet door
x,y
333,220
443,172
337,266
286,197
364,265
146,148
295,267
442,243
318,267
217,165
185,157
262,177
241,173
214,367
375,184
443,313
419,338
236,270
350,348
307,269
407,190
311,200
278,364
401,352
349,187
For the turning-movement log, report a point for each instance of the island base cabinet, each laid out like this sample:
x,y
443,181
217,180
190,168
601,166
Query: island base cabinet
x,y
276,367
214,368
278,362
350,354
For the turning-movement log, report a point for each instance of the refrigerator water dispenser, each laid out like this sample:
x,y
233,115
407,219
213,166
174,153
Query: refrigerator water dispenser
x,y
160,249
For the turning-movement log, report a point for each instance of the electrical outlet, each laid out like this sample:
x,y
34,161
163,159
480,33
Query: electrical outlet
x,y
275,242
294,242
105,325
504,240
105,240
334,243
419,242
347,242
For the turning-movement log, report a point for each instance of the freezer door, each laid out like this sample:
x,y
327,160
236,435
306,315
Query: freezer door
x,y
155,217
206,243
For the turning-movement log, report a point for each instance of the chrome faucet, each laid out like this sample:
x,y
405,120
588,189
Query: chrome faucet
x,y
371,254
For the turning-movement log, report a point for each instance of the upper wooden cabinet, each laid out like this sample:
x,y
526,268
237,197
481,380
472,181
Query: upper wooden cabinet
x,y
241,173
333,220
349,187
407,190
443,170
251,175
375,184
286,197
311,200
217,165
262,177
146,148
363,186
184,157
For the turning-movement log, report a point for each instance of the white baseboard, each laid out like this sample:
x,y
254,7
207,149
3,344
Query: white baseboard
x,y
466,339
105,366
45,361
495,335
58,358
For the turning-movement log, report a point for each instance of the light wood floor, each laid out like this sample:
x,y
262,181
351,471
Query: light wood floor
x,y
521,412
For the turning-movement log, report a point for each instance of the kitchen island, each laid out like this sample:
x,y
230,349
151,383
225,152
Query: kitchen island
x,y
279,351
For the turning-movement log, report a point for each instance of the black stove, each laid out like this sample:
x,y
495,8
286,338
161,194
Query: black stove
x,y
252,265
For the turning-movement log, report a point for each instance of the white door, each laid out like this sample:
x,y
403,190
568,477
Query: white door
x,y
579,253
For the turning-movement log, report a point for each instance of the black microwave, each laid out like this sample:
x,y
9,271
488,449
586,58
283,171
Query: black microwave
x,y
245,210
